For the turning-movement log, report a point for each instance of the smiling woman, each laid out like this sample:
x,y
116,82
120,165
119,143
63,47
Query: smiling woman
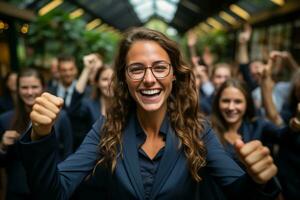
x,y
234,118
12,123
153,143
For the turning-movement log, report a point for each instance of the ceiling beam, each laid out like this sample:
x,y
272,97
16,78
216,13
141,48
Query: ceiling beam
x,y
13,11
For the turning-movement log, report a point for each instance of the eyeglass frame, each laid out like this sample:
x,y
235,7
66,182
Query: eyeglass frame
x,y
149,67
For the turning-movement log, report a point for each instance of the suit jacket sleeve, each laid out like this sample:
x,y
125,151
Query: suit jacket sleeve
x,y
49,180
235,183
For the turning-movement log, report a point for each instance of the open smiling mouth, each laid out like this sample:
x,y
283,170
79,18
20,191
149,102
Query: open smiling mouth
x,y
150,93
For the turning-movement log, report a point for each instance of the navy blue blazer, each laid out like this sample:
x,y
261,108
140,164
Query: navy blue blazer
x,y
259,129
172,181
6,103
288,162
16,176
287,159
83,113
245,71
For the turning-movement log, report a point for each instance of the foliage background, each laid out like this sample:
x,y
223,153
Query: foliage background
x,y
56,33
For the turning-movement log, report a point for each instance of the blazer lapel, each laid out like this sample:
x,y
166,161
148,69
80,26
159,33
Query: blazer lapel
x,y
167,162
131,159
245,131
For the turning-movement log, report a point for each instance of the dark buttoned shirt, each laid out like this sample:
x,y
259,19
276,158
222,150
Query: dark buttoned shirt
x,y
148,166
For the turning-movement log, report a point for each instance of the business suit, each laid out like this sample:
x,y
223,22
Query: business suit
x,y
17,187
173,180
6,103
258,129
287,159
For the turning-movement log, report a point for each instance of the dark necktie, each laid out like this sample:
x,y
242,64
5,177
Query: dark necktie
x,y
65,97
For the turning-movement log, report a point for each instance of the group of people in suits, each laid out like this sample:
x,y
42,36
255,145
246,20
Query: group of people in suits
x,y
151,139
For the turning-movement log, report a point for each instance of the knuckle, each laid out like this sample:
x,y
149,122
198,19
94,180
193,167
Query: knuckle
x,y
35,107
257,143
253,169
270,160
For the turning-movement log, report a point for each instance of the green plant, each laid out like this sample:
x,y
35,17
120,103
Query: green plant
x,y
216,41
55,33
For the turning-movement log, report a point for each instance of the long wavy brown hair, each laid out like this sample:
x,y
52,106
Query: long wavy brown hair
x,y
183,110
218,122
21,119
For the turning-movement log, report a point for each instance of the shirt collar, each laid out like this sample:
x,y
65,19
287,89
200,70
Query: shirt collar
x,y
164,128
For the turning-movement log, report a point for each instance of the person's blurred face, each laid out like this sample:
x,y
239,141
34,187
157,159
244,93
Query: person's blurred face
x,y
29,88
54,68
67,72
220,76
104,82
232,105
255,69
12,82
198,72
150,93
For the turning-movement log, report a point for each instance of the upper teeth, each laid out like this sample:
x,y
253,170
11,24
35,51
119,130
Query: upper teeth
x,y
150,91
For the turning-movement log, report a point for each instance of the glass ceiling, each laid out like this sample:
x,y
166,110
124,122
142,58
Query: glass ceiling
x,y
148,8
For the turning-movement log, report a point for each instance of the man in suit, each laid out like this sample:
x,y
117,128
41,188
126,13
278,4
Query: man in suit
x,y
68,71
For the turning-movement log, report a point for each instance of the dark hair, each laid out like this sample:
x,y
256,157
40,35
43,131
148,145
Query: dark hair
x,y
65,58
218,122
21,117
6,90
183,110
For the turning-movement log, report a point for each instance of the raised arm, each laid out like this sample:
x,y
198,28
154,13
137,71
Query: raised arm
x,y
243,40
91,64
191,41
267,85
38,150
290,60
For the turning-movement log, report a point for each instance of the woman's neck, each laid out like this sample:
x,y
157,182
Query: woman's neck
x,y
151,121
233,128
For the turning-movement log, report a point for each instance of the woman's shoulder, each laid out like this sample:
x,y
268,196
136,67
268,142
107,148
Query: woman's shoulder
x,y
99,123
7,116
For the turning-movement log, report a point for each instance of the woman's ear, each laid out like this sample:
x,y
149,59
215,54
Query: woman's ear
x,y
174,78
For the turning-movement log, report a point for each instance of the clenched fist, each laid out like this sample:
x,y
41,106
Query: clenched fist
x,y
9,138
257,159
44,113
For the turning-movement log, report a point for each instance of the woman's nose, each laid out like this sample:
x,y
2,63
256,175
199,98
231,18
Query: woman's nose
x,y
149,77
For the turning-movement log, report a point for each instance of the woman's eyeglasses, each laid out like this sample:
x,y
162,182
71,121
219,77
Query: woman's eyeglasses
x,y
159,70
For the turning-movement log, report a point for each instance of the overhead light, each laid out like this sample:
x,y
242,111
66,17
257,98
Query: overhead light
x,y
25,28
50,6
144,10
239,11
228,18
2,24
165,9
93,24
101,28
76,13
214,23
278,2
205,27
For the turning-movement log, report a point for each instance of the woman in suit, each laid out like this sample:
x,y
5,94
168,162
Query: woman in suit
x,y
234,117
12,123
153,143
88,109
287,157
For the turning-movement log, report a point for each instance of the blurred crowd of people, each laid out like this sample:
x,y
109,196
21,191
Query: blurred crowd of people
x,y
248,100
